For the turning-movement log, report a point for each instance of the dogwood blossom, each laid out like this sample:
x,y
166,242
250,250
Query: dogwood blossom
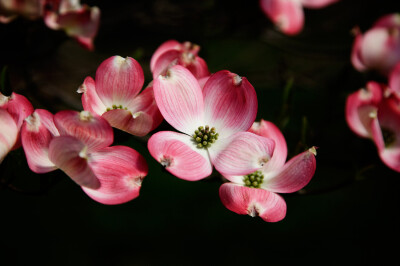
x,y
256,193
213,122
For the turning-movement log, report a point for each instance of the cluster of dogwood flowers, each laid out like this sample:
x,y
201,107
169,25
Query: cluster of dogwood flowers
x,y
214,114
288,15
374,111
78,21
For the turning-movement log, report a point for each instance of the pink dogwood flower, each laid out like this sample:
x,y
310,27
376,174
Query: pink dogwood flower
x,y
18,107
78,21
288,15
374,113
378,48
175,53
212,122
78,143
114,94
256,193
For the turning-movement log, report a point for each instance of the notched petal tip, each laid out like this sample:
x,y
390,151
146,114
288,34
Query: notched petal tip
x,y
313,150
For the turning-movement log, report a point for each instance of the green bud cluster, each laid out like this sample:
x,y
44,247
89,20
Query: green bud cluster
x,y
205,136
389,137
253,180
116,107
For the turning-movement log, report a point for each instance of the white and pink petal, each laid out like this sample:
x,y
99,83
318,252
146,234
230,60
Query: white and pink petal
x,y
230,103
179,155
91,129
90,100
180,99
120,170
8,134
293,176
253,201
71,156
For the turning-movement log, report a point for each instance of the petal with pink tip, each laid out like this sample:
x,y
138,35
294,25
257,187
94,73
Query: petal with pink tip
x,y
166,46
253,201
361,107
294,175
179,155
180,99
356,58
90,100
18,106
394,80
198,67
120,170
269,130
70,155
388,21
287,15
141,116
81,24
230,103
36,133
8,133
386,133
118,80
165,61
244,154
380,49
138,124
317,3
91,129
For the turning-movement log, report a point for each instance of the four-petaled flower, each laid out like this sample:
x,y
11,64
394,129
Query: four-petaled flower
x,y
255,193
213,122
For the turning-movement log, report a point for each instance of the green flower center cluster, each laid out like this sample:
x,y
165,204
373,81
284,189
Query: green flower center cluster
x,y
116,107
205,136
253,180
389,137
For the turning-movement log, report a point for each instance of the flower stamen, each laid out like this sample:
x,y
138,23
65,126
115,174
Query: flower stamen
x,y
253,180
205,136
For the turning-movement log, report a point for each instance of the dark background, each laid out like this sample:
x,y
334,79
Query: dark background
x,y
347,215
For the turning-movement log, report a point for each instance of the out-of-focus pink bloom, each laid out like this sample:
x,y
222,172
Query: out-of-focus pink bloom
x,y
288,15
78,21
255,193
114,94
378,49
394,81
374,113
175,53
19,107
78,144
213,122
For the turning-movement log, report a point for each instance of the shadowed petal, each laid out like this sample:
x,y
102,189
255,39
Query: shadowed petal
x,y
356,58
386,133
138,124
91,129
180,99
269,130
317,3
165,61
166,46
70,155
8,133
230,103
253,201
90,100
118,80
120,170
394,80
36,133
287,15
244,154
360,107
293,176
179,155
